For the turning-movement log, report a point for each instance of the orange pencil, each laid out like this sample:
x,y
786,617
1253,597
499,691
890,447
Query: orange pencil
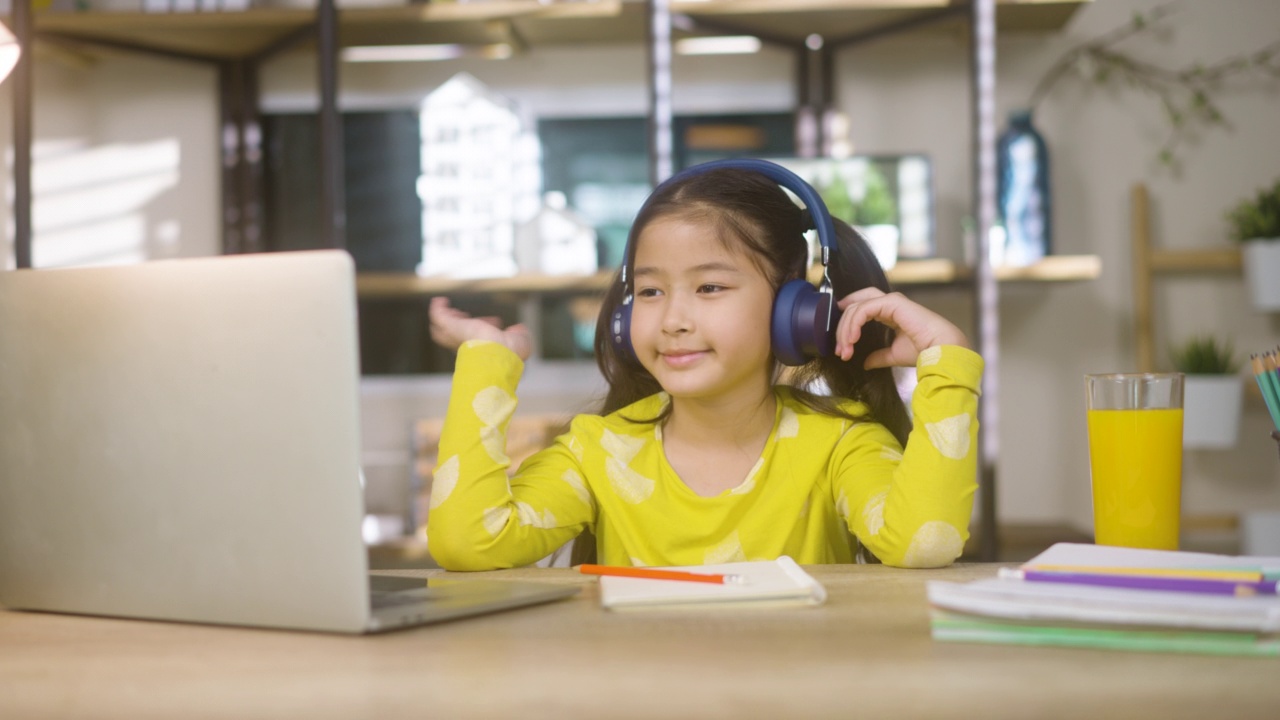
x,y
655,574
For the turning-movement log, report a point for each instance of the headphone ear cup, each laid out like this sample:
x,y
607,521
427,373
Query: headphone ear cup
x,y
798,330
620,329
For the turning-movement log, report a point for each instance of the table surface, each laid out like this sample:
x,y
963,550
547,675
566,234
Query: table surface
x,y
865,653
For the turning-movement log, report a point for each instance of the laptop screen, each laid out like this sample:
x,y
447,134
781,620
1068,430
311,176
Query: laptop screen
x,y
180,440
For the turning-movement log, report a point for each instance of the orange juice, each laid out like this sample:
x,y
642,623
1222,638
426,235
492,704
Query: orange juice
x,y
1136,462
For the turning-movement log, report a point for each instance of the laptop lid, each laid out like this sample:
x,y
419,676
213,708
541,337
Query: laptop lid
x,y
179,440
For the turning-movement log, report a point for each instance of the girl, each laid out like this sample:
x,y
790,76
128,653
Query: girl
x,y
705,451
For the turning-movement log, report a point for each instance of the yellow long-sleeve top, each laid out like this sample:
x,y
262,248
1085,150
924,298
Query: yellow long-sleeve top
x,y
818,479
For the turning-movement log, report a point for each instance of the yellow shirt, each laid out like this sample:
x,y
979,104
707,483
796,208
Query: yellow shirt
x,y
818,479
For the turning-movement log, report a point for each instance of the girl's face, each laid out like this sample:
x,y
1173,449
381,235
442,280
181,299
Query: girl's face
x,y
700,320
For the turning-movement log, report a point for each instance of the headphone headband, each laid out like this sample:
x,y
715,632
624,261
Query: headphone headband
x,y
815,209
801,325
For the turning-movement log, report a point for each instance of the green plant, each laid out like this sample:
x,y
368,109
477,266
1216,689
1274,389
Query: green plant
x,y
1257,218
1205,356
877,206
835,195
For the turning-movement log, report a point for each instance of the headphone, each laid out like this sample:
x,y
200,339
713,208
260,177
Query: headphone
x,y
801,326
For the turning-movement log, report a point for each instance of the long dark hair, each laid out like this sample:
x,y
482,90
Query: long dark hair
x,y
751,213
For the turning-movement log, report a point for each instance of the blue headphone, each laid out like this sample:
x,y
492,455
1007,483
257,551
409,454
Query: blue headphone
x,y
803,325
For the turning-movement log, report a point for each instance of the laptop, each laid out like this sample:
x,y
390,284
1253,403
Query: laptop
x,y
180,440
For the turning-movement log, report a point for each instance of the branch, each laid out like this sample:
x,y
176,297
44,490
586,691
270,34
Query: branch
x,y
1138,24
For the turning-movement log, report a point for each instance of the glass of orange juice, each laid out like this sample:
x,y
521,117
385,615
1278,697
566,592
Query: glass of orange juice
x,y
1135,458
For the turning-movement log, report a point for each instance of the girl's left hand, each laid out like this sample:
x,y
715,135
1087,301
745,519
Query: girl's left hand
x,y
916,327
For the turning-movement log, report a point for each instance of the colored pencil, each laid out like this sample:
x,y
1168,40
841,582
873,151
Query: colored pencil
x,y
1266,383
656,574
1240,574
1138,582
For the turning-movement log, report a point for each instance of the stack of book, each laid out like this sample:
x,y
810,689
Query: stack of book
x,y
1118,598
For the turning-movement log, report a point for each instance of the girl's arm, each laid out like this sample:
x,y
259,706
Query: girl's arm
x,y
480,520
912,507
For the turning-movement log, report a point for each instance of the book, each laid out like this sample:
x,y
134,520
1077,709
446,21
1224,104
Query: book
x,y
1010,609
764,583
955,627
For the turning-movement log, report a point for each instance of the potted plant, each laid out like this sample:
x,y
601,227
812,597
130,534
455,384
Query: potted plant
x,y
1212,393
1255,223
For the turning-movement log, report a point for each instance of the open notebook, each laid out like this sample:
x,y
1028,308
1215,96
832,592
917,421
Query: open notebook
x,y
765,583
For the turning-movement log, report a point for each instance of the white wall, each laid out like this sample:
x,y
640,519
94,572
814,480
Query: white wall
x,y
124,169
903,94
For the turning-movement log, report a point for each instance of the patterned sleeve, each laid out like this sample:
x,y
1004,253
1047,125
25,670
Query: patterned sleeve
x,y
480,520
912,507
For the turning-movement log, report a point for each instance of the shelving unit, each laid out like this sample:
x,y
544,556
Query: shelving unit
x,y
238,42
918,274
230,35
1149,261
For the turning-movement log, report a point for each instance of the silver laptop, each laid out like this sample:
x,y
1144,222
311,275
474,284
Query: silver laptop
x,y
179,440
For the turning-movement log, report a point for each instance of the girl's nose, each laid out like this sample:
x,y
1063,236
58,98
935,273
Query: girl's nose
x,y
675,316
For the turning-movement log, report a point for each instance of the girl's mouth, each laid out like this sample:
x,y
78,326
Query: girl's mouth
x,y
682,358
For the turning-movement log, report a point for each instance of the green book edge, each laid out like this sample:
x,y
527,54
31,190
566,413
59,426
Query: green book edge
x,y
950,627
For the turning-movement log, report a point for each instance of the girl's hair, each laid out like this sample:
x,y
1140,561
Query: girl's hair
x,y
750,213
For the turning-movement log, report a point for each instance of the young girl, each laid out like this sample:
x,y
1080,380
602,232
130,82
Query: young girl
x,y
705,450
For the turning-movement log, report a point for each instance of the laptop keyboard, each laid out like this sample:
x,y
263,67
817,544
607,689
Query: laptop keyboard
x,y
379,600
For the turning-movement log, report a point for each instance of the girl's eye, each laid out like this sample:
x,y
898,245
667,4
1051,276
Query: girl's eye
x,y
648,292
707,288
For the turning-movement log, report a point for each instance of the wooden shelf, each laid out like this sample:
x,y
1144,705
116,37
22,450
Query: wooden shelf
x,y
238,34
907,273
398,285
1195,261
938,271
1054,268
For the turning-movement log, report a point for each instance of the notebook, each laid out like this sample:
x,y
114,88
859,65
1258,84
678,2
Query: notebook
x,y
1009,610
1004,597
765,583
179,440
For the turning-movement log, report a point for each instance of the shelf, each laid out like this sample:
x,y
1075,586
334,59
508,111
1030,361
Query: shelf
x,y
227,35
907,273
399,285
1226,260
1054,268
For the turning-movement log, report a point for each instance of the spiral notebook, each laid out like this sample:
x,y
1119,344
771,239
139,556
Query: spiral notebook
x,y
765,583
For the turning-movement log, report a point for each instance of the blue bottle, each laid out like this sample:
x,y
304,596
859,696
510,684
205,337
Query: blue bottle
x,y
1022,187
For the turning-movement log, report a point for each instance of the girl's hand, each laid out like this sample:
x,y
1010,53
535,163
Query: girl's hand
x,y
451,327
916,327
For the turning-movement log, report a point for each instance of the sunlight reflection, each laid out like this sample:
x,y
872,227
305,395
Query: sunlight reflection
x,y
89,203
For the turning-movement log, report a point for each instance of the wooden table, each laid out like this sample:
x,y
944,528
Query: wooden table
x,y
865,654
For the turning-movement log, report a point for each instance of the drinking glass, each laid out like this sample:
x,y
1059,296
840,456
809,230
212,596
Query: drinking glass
x,y
1135,458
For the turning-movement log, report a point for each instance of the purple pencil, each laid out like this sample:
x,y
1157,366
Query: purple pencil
x,y
1237,588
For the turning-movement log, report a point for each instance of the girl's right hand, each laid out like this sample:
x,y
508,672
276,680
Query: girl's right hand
x,y
915,327
450,328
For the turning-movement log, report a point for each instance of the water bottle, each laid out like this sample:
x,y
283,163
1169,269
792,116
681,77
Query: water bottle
x,y
1023,200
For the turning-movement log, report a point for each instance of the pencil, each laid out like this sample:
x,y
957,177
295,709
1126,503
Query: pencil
x,y
1267,387
1136,582
656,574
1240,574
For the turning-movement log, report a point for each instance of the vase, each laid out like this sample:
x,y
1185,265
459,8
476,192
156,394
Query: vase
x,y
1022,191
1261,258
1211,411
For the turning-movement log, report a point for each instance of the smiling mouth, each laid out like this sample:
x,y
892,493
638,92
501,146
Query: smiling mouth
x,y
682,358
